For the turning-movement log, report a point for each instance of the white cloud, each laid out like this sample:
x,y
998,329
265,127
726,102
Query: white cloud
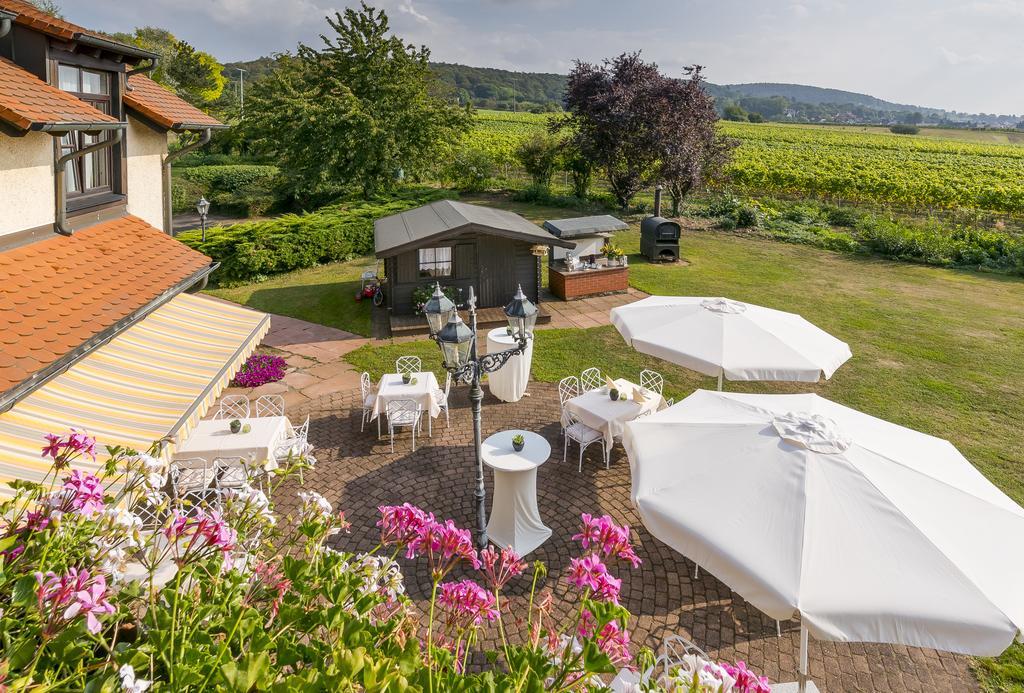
x,y
953,58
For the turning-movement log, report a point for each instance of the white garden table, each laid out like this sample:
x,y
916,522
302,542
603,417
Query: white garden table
x,y
213,438
597,410
423,392
508,383
515,519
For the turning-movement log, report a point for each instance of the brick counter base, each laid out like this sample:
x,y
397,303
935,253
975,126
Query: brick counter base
x,y
570,285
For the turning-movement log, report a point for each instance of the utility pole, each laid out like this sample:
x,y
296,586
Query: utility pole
x,y
241,91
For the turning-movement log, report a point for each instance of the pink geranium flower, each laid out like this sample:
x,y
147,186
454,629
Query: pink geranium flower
x,y
500,567
746,680
445,545
590,573
403,526
467,603
614,642
62,598
607,538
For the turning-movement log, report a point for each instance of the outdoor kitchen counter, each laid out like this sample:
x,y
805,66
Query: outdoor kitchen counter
x,y
591,282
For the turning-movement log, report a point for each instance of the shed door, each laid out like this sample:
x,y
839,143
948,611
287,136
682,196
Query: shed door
x,y
497,271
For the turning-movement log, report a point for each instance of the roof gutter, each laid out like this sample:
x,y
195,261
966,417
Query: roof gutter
x,y
139,71
11,397
203,140
60,173
115,47
5,26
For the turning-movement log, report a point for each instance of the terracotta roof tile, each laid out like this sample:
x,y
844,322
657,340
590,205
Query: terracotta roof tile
x,y
27,102
30,16
103,273
161,106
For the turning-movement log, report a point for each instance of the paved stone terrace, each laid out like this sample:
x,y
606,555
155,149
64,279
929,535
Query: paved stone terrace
x,y
357,473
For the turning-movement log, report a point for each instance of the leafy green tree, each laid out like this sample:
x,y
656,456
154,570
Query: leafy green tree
x,y
49,7
581,170
193,75
354,113
539,158
736,112
755,117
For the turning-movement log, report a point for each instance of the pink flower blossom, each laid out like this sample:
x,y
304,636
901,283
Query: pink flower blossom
x,y
467,603
205,530
590,573
402,525
81,493
746,680
53,445
500,567
445,545
607,538
614,642
64,597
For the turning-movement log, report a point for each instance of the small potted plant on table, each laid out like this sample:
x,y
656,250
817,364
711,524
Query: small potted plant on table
x,y
613,393
518,442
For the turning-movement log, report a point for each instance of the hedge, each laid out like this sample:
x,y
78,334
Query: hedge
x,y
253,250
249,188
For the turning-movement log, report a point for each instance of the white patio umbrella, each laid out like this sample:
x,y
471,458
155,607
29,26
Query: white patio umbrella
x,y
868,531
720,337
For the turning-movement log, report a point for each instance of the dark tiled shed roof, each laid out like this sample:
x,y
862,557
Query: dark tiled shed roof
x,y
58,293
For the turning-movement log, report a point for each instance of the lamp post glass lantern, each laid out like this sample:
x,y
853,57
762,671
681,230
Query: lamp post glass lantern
x,y
457,342
203,207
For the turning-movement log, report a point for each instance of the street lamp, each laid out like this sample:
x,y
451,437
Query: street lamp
x,y
457,342
203,207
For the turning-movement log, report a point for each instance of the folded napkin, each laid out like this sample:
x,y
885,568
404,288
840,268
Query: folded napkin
x,y
610,383
638,395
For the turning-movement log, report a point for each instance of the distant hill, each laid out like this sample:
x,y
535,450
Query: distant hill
x,y
491,88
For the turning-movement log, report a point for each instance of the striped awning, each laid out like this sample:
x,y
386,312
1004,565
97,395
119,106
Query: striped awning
x,y
155,379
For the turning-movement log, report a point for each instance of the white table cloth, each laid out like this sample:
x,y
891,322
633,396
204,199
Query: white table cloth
x,y
422,391
213,438
509,382
515,520
597,410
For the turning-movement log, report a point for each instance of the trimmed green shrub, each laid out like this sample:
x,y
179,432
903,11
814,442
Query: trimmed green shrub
x,y
902,129
341,231
471,170
247,188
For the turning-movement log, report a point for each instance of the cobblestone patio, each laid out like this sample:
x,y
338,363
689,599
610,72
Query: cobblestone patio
x,y
357,473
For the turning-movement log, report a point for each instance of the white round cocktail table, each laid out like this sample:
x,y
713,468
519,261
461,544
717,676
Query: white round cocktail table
x,y
515,520
509,382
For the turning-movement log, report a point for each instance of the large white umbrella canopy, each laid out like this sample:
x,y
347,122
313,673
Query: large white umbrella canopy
x,y
868,531
720,337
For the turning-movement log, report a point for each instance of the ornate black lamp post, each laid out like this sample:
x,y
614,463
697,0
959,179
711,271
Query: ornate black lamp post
x,y
203,207
458,349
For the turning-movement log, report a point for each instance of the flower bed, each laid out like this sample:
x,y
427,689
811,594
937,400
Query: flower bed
x,y
260,369
92,597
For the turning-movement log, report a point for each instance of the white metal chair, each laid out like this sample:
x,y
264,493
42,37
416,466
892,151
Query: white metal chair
x,y
590,379
652,380
193,479
568,388
584,436
233,473
269,405
408,364
367,399
442,400
233,407
403,413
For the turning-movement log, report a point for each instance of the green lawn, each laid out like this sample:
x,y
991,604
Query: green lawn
x,y
324,295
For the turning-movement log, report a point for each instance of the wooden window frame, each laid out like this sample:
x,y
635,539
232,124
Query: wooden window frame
x,y
423,267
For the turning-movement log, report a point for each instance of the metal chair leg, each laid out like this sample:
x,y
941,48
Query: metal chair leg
x,y
391,430
581,457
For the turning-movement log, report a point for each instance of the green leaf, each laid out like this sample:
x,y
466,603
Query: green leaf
x,y
24,591
250,671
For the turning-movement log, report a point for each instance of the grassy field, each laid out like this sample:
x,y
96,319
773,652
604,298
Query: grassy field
x,y
323,295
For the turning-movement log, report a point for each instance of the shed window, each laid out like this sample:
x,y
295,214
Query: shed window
x,y
435,262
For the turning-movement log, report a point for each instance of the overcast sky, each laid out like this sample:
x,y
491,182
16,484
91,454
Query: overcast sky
x,y
966,55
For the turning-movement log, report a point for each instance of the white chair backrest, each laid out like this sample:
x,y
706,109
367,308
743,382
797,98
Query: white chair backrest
x,y
302,432
674,648
652,380
191,474
590,379
365,386
270,405
231,472
233,407
403,411
408,364
568,388
447,384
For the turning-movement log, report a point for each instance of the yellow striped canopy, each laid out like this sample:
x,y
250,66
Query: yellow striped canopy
x,y
155,379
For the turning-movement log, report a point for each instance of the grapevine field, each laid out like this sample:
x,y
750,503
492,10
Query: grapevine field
x,y
912,171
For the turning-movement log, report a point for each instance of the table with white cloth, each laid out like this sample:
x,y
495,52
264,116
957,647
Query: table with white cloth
x,y
597,410
515,520
213,438
422,388
509,382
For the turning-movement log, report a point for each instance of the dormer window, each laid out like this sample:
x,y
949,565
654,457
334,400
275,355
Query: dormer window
x,y
91,174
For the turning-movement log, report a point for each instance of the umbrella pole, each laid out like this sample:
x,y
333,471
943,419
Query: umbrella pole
x,y
803,659
720,381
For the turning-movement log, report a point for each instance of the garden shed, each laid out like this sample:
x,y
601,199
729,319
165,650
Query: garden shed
x,y
459,245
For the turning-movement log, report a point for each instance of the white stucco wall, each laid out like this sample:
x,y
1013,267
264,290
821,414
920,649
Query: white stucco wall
x,y
146,148
26,182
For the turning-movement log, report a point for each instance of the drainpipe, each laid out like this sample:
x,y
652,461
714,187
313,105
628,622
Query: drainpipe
x,y
168,160
61,216
136,71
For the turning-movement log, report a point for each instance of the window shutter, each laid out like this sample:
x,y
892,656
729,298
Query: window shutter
x,y
465,261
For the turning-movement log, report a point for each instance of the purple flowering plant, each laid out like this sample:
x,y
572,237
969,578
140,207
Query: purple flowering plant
x,y
260,369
